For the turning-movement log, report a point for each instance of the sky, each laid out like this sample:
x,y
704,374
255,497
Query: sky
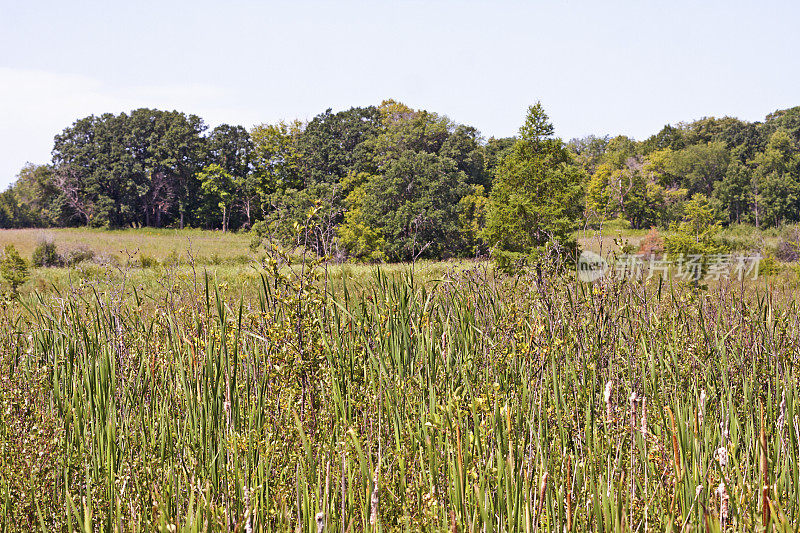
x,y
597,67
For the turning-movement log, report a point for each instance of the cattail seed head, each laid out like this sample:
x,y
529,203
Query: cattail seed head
x,y
644,416
632,399
374,500
608,400
724,503
320,518
723,427
702,414
722,457
782,415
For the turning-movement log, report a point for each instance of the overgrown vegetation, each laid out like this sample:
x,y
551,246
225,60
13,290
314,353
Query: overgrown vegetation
x,y
475,402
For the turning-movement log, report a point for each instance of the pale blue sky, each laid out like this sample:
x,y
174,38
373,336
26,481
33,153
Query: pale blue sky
x,y
598,67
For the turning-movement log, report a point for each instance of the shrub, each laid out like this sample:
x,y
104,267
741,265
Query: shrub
x,y
78,255
172,259
14,269
769,266
652,244
46,255
789,245
148,261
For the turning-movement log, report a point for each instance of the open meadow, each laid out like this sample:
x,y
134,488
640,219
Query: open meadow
x,y
246,396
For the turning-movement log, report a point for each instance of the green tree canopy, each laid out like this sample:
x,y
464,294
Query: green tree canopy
x,y
536,195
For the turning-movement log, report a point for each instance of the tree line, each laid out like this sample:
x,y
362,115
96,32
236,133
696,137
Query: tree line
x,y
393,183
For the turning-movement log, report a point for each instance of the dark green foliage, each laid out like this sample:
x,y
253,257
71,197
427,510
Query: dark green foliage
x,y
117,170
330,143
536,195
159,168
78,255
14,269
15,213
46,255
698,233
414,207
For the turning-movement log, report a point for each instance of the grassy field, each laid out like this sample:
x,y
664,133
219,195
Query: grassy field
x,y
128,244
432,397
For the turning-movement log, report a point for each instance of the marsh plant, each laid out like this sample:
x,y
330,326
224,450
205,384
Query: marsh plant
x,y
476,402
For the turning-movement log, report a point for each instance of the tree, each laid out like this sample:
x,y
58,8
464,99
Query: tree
x,y
697,234
777,180
276,157
220,185
402,130
701,165
536,196
35,192
231,148
14,269
409,212
115,170
329,144
464,147
734,191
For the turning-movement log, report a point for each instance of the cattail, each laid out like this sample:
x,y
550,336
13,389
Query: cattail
x,y
632,399
248,526
569,492
724,503
540,503
765,511
697,491
643,420
453,523
676,451
782,418
722,457
609,402
702,414
374,500
723,426
320,518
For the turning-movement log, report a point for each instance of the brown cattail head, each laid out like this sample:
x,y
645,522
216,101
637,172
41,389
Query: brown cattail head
x,y
542,491
632,399
320,518
676,451
765,511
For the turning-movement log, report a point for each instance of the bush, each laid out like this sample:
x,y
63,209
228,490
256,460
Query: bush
x,y
652,244
148,261
789,245
78,255
172,259
14,269
46,255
